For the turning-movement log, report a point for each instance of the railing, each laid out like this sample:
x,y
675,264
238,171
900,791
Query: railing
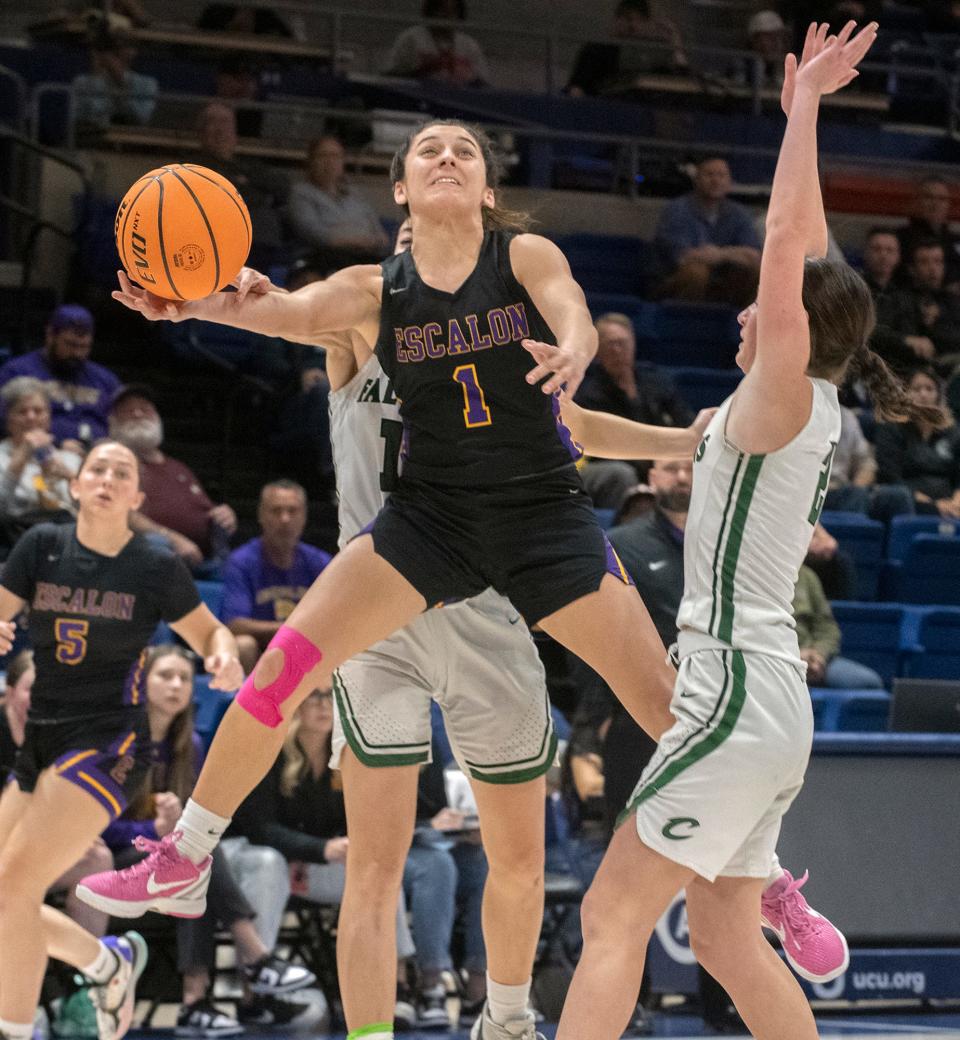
x,y
36,224
20,93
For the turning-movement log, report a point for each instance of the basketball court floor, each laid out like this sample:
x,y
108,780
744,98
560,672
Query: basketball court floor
x,y
919,1026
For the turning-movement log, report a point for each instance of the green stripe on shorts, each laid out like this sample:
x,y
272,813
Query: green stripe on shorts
x,y
676,763
519,776
368,753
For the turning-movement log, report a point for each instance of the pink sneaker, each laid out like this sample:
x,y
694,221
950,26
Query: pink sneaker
x,y
166,881
815,948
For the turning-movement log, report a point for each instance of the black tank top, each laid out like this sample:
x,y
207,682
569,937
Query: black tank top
x,y
457,366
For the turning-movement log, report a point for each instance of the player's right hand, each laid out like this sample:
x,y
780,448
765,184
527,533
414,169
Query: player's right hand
x,y
7,631
153,308
252,281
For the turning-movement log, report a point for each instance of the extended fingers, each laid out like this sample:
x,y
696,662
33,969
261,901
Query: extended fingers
x,y
809,42
861,43
846,32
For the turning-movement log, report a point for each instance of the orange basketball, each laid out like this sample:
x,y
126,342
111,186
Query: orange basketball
x,y
183,232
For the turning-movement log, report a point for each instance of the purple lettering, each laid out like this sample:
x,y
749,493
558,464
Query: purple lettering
x,y
458,342
499,326
519,327
430,332
401,350
477,341
413,338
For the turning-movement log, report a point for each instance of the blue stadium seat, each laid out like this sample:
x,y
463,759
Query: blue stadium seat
x,y
872,633
903,529
706,387
850,711
608,263
211,593
936,654
702,335
863,539
209,707
929,572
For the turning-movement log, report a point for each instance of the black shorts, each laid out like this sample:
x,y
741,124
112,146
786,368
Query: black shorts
x,y
537,542
107,755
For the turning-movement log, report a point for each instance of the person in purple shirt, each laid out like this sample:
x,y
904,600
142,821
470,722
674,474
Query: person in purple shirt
x,y
266,578
708,245
80,389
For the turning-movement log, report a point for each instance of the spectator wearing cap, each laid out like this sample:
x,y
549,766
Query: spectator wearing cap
x,y
175,505
328,215
80,390
268,576
767,36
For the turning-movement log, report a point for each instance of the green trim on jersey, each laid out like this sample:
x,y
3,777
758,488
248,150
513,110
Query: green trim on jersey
x,y
675,763
716,553
734,540
367,752
519,776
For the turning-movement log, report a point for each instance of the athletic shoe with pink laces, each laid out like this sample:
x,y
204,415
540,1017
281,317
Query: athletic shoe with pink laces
x,y
166,881
815,948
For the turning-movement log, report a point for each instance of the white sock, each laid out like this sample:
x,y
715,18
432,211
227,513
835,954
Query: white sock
x,y
776,872
101,969
506,1002
16,1030
200,831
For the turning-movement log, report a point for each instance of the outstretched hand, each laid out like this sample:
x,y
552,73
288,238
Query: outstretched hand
x,y
827,62
564,365
250,280
153,308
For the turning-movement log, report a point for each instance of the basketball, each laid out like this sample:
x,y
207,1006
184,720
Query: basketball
x,y
182,232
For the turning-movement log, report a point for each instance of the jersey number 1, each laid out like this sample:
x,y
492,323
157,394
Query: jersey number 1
x,y
475,410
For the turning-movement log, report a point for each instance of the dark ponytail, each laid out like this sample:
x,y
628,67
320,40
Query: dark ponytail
x,y
889,395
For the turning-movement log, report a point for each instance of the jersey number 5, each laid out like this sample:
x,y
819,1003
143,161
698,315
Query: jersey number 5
x,y
71,636
822,484
475,410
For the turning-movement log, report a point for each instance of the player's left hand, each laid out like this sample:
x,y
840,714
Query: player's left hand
x,y
7,631
699,425
226,670
833,59
565,366
250,280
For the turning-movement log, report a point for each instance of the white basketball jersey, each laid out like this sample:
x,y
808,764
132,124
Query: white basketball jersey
x,y
748,530
365,435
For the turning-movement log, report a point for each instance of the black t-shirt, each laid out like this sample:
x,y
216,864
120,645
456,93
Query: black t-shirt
x,y
455,361
92,615
8,748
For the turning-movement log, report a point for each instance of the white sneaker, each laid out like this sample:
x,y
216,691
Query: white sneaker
x,y
114,1001
524,1028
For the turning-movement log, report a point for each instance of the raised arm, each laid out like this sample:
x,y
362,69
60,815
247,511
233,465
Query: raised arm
x,y
543,271
606,436
349,299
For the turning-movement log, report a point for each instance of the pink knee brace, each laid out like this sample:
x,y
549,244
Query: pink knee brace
x,y
300,656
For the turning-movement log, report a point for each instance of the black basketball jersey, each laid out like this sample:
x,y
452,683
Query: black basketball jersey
x,y
457,366
92,615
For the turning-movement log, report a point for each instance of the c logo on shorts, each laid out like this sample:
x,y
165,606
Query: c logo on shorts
x,y
679,821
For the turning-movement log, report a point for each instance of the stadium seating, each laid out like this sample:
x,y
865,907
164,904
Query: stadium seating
x,y
863,539
935,650
903,530
872,633
209,707
850,711
928,573
211,593
705,387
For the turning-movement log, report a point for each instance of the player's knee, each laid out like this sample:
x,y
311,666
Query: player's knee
x,y
289,658
97,859
718,950
18,882
524,872
598,919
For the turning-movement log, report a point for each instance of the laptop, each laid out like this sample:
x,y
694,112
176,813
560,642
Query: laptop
x,y
925,706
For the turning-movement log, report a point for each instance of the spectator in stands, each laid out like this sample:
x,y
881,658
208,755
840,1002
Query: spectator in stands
x,y
263,188
298,809
34,474
238,80
707,243
895,336
924,459
329,216
819,637
175,505
268,576
835,569
112,93
617,383
931,220
13,720
612,68
853,475
437,52
80,390
767,39
168,675
923,312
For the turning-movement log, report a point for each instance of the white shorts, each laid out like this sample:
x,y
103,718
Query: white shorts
x,y
477,660
714,793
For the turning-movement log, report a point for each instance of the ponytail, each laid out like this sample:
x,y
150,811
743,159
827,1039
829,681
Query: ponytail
x,y
893,403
